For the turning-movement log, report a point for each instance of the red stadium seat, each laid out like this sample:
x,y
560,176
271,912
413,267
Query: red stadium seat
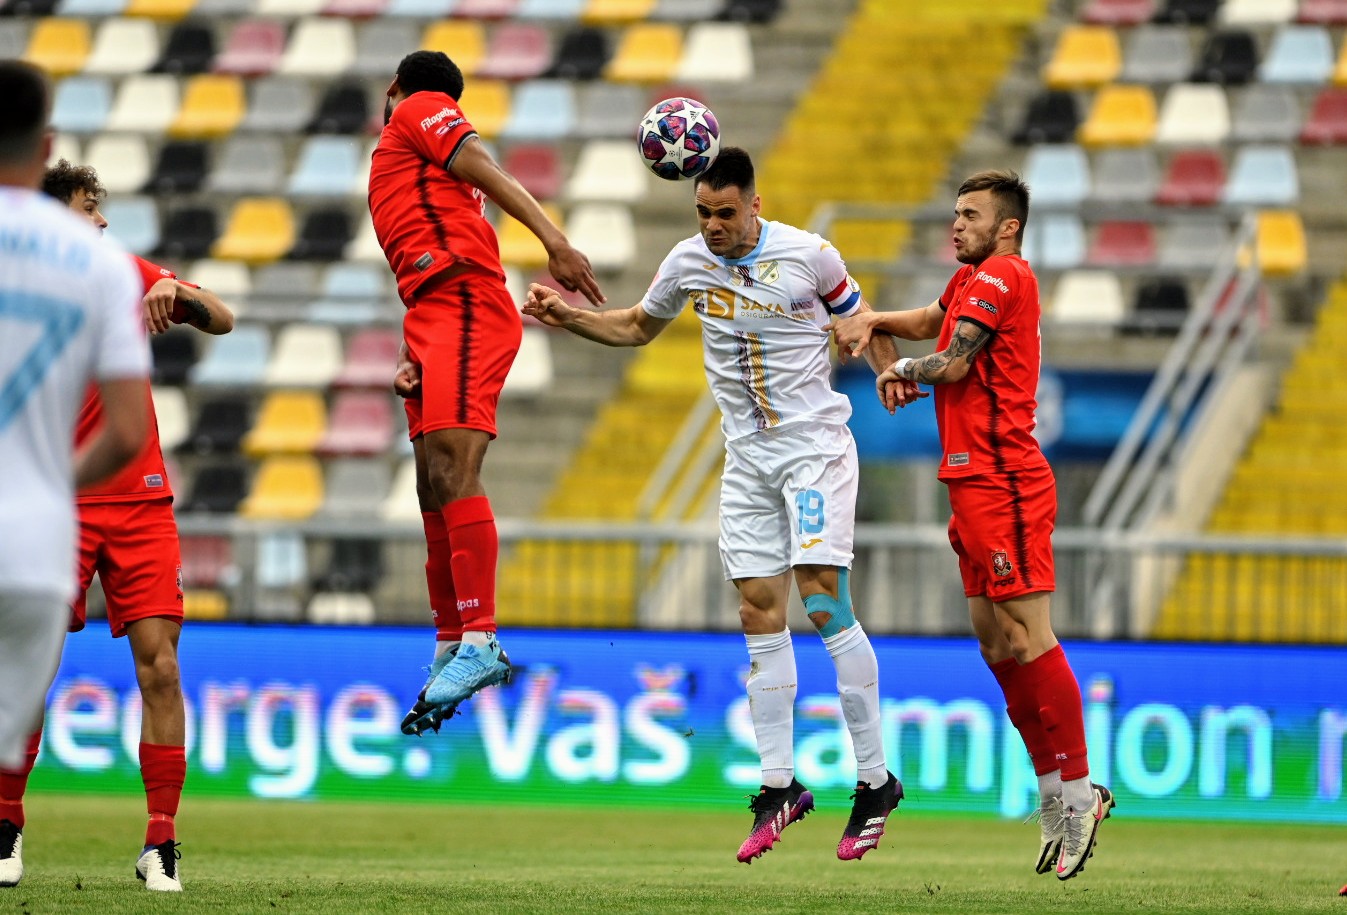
x,y
485,9
207,561
516,50
1323,12
355,9
254,48
1123,244
1195,177
537,167
371,357
361,423
1118,12
1327,123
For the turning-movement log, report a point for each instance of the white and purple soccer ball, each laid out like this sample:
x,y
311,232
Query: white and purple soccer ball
x,y
678,138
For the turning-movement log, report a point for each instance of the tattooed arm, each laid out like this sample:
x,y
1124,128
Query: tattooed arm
x,y
944,367
202,309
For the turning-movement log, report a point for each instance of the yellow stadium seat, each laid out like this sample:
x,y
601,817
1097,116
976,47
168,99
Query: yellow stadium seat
x,y
1120,116
204,604
59,46
616,12
289,422
518,246
646,53
486,102
1340,71
1085,56
464,40
1281,242
260,229
286,489
212,106
168,10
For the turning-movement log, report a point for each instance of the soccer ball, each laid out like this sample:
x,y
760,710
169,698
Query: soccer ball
x,y
678,138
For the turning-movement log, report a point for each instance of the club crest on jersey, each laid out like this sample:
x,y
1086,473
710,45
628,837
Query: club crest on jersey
x,y
769,271
1001,564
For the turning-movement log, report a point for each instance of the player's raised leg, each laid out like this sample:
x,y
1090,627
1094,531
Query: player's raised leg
x,y
163,759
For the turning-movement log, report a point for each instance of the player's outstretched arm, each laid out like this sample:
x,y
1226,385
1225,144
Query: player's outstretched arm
x,y
170,302
855,332
617,327
881,352
950,365
569,266
126,422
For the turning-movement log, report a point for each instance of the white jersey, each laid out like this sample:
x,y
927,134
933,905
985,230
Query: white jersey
x,y
70,313
764,318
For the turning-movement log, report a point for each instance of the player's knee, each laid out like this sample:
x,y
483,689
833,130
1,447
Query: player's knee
x,y
830,615
158,676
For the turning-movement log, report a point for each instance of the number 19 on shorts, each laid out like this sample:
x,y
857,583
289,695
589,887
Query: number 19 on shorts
x,y
809,511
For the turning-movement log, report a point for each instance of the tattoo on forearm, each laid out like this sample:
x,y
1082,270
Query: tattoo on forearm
x,y
198,315
967,340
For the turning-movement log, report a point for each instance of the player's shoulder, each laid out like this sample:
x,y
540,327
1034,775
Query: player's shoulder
x,y
427,111
1007,267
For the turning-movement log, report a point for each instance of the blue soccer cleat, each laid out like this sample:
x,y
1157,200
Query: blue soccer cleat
x,y
424,716
471,670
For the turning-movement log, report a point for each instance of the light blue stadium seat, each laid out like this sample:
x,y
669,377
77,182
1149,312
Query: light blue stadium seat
x,y
550,9
281,560
1055,241
1263,176
1058,175
420,9
326,167
81,105
90,8
356,281
133,221
344,312
542,109
1298,54
238,358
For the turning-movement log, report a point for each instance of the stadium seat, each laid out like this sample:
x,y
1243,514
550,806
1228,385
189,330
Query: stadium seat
x,y
277,103
1257,12
221,422
402,503
381,44
1161,306
532,371
288,422
326,167
180,169
1266,113
515,51
1087,298
344,108
1193,242
340,608
355,9
1085,56
355,281
1157,54
319,48
1301,54
1050,117
254,48
304,356
237,359
189,232
607,170
716,52
81,104
13,38
537,167
616,12
1262,176
1188,12
59,46
145,103
541,109
356,487
170,410
464,40
1117,12
161,10
190,49
1120,116
371,356
122,161
323,235
212,107
365,246
259,229
605,232
288,9
86,9
355,564
686,10
758,11
486,9
519,247
282,559
174,355
65,146
123,46
1195,177
646,53
361,422
1125,175
1058,174
134,221
556,10
1281,243
1323,12
1327,122
248,164
608,110
1193,115
1340,68
1120,243
230,280
582,54
217,489
222,9
1228,57
1056,241
284,286
207,561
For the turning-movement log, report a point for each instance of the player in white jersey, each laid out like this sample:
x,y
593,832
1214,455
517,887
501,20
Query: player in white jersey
x,y
766,293
69,315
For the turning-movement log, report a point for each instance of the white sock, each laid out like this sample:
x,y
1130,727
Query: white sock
x,y
443,648
1050,787
478,639
858,688
771,703
1078,794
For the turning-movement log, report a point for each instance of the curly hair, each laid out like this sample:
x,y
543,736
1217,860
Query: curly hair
x,y
63,179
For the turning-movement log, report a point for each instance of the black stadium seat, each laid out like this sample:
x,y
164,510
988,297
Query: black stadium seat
x,y
343,109
190,49
188,233
220,425
1161,306
1188,12
174,354
1228,57
751,10
582,54
324,235
180,169
1051,117
355,565
217,488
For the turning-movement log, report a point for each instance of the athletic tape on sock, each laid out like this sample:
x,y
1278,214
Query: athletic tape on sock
x,y
838,608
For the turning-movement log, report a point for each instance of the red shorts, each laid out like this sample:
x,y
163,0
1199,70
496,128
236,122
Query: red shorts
x,y
464,333
133,546
1002,530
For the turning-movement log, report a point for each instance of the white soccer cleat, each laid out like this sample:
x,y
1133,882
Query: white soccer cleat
x,y
11,854
158,867
1051,818
1081,830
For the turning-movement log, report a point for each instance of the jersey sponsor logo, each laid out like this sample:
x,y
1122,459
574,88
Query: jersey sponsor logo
x,y
446,112
811,543
448,127
769,271
957,460
992,281
802,306
154,480
982,303
740,275
424,261
1001,564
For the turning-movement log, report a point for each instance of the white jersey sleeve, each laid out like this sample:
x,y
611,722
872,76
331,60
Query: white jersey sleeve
x,y
840,294
668,296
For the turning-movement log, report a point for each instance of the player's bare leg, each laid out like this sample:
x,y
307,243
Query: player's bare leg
x,y
163,765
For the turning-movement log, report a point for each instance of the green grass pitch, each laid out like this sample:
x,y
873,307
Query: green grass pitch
x,y
336,858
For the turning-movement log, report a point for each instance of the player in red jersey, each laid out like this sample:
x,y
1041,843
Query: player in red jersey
x,y
430,178
128,535
1001,489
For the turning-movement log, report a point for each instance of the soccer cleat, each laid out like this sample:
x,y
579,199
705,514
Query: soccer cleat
x,y
158,867
424,716
773,810
869,812
11,854
1080,832
471,670
1051,825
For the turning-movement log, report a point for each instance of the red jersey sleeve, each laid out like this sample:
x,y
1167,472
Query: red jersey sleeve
x,y
433,125
151,273
988,296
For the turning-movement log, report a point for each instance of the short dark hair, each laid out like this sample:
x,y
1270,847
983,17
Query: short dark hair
x,y
1008,190
27,95
430,71
732,168
63,179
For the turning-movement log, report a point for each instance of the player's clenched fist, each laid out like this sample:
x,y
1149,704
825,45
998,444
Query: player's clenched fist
x,y
546,304
159,305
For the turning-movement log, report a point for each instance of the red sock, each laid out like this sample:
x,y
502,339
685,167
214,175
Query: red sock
x,y
1022,707
440,579
1060,709
14,782
163,768
472,529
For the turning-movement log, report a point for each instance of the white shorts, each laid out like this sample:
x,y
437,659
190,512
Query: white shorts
x,y
788,498
32,630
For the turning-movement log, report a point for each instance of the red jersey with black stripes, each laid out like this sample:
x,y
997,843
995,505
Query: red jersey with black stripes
x,y
987,419
425,217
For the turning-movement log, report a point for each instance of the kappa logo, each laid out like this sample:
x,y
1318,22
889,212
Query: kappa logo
x,y
1001,564
992,281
